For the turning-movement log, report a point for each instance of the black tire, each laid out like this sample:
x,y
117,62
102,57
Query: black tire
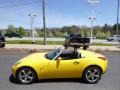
x,y
3,45
108,40
26,75
112,39
92,74
85,47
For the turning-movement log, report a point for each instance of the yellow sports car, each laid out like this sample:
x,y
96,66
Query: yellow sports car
x,y
60,64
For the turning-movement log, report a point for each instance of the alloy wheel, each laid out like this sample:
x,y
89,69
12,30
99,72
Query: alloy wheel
x,y
92,75
26,75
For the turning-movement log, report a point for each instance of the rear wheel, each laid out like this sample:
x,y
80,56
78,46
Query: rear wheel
x,y
26,75
92,75
3,45
112,39
85,47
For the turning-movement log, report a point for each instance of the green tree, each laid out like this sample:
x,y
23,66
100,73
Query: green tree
x,y
74,29
65,29
21,31
40,32
11,29
101,35
97,29
108,34
70,29
82,33
115,28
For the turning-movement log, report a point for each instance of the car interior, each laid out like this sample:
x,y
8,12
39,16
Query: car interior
x,y
70,55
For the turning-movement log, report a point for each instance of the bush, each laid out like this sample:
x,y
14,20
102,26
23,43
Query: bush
x,y
101,35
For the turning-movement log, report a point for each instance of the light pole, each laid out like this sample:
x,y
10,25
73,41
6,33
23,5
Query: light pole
x,y
32,16
92,17
44,23
91,31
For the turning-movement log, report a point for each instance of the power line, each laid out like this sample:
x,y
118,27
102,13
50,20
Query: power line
x,y
12,20
10,6
21,21
98,12
19,1
22,3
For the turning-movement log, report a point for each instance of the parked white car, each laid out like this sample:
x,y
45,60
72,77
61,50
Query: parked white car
x,y
114,38
93,37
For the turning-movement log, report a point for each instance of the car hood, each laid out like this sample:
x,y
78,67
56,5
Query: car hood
x,y
35,57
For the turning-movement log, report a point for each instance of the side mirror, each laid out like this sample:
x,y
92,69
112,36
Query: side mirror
x,y
59,58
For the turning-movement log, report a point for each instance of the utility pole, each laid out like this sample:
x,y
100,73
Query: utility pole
x,y
92,17
32,16
91,31
117,26
44,23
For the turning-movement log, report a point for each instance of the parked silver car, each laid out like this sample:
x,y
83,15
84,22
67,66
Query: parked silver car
x,y
114,38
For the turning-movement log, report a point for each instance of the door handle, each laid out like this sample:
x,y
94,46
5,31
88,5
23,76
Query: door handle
x,y
75,62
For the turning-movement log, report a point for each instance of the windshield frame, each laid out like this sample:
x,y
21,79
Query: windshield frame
x,y
49,55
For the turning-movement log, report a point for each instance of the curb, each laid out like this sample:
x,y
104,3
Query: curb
x,y
24,51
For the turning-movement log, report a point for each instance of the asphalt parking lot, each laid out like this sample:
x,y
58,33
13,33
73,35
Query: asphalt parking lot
x,y
109,81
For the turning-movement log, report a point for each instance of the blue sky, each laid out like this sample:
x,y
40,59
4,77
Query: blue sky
x,y
58,12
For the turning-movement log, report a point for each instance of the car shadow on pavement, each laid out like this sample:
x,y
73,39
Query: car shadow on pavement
x,y
72,80
69,80
12,79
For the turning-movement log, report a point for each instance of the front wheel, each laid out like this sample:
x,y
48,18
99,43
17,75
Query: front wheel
x,y
26,75
92,75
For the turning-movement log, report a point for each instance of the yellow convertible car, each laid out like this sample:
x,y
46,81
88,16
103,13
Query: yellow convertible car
x,y
60,64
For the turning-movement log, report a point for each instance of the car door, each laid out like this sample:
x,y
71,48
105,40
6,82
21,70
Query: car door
x,y
65,68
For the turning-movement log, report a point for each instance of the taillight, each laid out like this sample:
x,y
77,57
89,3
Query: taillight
x,y
103,58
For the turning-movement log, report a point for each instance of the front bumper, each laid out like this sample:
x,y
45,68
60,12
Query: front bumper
x,y
14,71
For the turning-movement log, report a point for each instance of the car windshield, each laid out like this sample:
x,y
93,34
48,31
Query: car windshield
x,y
74,35
53,54
112,36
